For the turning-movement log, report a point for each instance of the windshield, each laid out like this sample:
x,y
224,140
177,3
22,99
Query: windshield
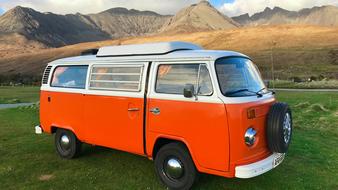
x,y
239,77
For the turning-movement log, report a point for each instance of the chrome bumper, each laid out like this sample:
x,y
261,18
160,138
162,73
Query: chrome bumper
x,y
258,168
38,130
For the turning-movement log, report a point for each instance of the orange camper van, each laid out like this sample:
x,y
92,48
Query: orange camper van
x,y
188,109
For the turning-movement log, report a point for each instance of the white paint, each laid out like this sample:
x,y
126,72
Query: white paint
x,y
257,168
146,49
196,56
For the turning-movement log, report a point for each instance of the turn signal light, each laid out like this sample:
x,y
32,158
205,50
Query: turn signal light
x,y
251,113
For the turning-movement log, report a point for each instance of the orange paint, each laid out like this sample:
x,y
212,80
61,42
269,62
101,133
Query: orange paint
x,y
203,126
213,132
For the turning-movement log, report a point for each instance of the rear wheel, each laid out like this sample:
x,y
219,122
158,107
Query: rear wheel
x,y
66,143
175,167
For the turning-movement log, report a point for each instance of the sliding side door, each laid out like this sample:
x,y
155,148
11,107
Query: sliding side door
x,y
114,106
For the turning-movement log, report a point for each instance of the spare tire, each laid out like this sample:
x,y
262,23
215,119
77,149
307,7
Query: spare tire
x,y
279,127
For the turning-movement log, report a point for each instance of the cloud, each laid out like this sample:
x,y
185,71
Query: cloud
x,y
91,6
252,6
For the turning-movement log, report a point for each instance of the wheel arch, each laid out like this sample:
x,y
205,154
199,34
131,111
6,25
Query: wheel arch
x,y
163,140
53,129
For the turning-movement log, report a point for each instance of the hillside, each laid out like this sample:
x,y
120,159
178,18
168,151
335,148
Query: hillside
x,y
48,28
59,30
53,30
302,51
199,17
121,22
15,44
321,16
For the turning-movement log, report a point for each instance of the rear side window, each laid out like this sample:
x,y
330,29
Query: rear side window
x,y
116,78
171,79
70,77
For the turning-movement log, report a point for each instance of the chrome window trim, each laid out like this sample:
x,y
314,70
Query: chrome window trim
x,y
139,82
199,63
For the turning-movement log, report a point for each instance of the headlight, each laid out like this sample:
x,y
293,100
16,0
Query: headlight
x,y
250,136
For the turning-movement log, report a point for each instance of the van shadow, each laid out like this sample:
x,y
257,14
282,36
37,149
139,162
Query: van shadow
x,y
130,162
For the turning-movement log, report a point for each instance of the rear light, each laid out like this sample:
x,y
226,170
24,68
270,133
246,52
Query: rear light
x,y
250,137
251,113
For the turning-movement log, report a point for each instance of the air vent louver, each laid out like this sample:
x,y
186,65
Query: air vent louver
x,y
46,75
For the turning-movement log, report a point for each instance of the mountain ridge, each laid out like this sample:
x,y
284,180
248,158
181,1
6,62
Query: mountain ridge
x,y
55,30
199,17
326,15
58,30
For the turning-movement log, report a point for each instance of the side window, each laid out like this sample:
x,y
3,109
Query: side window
x,y
116,78
205,84
171,79
70,77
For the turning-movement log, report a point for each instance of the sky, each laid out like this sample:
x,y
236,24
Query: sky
x,y
228,7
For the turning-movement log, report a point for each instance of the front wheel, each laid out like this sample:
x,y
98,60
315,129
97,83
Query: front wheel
x,y
66,143
175,167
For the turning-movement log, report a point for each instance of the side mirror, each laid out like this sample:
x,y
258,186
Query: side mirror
x,y
189,91
267,83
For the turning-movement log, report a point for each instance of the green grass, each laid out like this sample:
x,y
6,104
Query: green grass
x,y
11,95
26,158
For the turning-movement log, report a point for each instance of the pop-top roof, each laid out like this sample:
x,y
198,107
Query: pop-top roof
x,y
146,49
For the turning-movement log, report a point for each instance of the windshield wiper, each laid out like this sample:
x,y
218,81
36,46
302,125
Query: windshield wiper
x,y
259,94
238,91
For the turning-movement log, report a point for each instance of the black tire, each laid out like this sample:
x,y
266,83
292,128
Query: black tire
x,y
279,136
181,153
74,147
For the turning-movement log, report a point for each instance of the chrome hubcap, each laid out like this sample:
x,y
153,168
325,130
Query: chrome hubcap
x,y
65,142
173,168
287,128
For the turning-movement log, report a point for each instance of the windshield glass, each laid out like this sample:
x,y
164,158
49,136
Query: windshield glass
x,y
239,77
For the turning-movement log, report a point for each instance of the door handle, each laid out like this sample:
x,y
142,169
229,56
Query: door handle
x,y
133,109
155,111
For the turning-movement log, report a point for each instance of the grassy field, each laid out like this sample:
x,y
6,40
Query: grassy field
x,y
29,161
11,95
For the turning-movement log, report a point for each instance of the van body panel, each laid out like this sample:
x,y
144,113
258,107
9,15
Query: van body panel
x,y
238,121
203,125
63,110
109,123
201,121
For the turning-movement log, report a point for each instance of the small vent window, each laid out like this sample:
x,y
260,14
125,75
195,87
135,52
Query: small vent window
x,y
46,75
116,78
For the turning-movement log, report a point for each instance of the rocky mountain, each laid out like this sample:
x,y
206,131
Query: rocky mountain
x,y
53,30
121,22
199,17
59,30
322,16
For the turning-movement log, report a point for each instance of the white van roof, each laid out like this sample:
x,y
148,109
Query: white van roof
x,y
169,51
146,49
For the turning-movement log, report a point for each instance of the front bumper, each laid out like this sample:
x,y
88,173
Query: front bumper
x,y
260,167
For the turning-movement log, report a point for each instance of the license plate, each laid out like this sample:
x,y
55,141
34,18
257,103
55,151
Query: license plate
x,y
278,159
